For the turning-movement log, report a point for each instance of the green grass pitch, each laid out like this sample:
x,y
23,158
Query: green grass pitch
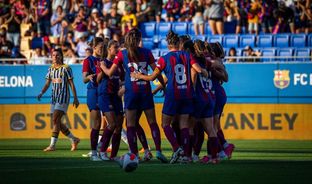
x,y
256,161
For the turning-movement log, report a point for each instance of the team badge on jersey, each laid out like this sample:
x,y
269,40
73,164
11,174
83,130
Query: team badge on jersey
x,y
281,79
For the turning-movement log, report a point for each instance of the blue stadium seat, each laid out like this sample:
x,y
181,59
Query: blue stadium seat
x,y
190,29
148,29
163,52
180,28
214,38
199,37
230,41
298,40
267,52
162,44
248,39
264,40
286,52
163,28
155,53
207,29
281,40
302,52
148,43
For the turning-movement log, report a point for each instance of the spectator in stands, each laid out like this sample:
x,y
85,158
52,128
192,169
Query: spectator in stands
x,y
64,3
302,17
155,13
103,29
232,53
214,14
107,6
187,10
251,55
242,21
80,24
143,9
4,10
69,55
114,21
5,45
14,28
172,7
198,19
128,21
32,15
64,31
70,40
56,24
285,19
268,20
93,21
37,57
43,13
254,14
231,11
20,8
74,9
81,47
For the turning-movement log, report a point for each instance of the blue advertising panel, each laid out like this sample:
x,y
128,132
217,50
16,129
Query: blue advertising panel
x,y
248,83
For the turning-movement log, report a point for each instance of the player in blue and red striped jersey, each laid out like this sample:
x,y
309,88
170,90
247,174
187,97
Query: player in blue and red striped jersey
x,y
89,77
219,75
138,95
205,102
110,103
179,93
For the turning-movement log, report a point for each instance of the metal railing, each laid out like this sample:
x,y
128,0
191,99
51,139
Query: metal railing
x,y
227,59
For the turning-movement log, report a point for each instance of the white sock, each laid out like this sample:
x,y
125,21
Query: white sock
x,y
100,137
53,141
124,136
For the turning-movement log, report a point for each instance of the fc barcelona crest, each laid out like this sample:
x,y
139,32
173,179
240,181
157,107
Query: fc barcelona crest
x,y
281,78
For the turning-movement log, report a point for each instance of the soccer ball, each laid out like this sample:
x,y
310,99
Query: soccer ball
x,y
129,162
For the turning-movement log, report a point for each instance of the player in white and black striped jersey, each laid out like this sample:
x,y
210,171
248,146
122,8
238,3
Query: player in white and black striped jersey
x,y
61,77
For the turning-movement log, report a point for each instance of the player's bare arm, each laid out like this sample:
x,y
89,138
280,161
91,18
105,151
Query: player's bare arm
x,y
44,89
159,77
141,76
73,88
200,70
108,71
87,77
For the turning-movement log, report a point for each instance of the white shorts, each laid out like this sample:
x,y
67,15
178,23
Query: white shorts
x,y
198,20
60,107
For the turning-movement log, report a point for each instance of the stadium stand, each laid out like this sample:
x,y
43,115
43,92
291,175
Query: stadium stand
x,y
281,40
180,27
298,40
247,40
265,40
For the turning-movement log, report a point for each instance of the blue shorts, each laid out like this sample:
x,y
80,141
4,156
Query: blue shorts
x,y
92,99
204,109
172,106
110,103
220,101
139,101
